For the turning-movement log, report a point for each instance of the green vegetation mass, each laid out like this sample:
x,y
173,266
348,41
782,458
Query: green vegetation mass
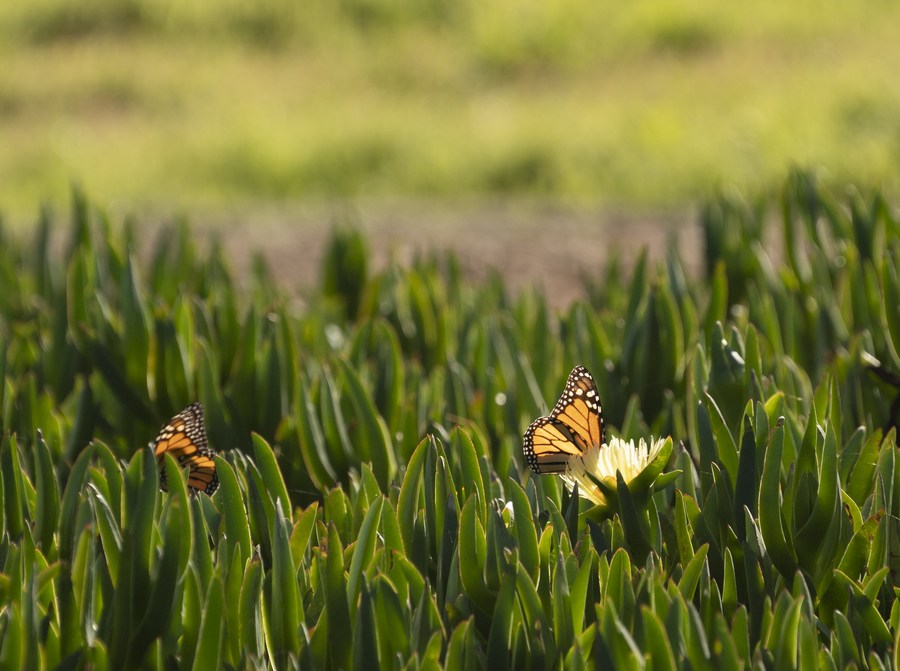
x,y
211,104
373,502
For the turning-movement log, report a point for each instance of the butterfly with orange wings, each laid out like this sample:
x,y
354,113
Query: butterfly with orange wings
x,y
574,426
185,439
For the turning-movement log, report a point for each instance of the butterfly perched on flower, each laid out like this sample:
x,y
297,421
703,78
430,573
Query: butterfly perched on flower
x,y
573,428
571,442
185,439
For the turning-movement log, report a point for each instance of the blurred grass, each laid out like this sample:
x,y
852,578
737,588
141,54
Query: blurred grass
x,y
649,104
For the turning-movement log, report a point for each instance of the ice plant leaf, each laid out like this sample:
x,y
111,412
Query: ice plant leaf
x,y
631,520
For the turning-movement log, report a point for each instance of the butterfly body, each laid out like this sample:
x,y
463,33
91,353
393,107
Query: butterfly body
x,y
185,439
558,442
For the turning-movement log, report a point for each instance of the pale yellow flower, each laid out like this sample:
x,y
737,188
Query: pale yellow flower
x,y
601,463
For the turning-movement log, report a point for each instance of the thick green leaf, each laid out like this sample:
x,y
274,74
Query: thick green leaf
x,y
264,458
365,633
13,486
393,623
864,604
237,528
209,643
471,480
525,531
162,606
252,635
683,530
408,503
472,557
632,520
563,630
536,615
827,506
134,586
771,522
726,452
340,638
313,449
504,621
463,650
379,450
862,477
47,488
691,575
362,554
70,500
285,609
135,327
747,485
657,642
302,533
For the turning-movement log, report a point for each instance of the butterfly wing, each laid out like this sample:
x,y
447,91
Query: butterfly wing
x,y
550,443
185,439
574,426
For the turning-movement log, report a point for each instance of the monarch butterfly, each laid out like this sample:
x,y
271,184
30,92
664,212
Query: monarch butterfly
x,y
185,439
573,427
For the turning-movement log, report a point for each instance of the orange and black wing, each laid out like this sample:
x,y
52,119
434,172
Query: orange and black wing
x,y
573,427
185,439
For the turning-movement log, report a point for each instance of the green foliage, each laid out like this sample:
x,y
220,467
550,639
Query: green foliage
x,y
374,504
289,100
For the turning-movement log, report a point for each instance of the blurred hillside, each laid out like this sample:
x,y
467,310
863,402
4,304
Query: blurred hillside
x,y
215,104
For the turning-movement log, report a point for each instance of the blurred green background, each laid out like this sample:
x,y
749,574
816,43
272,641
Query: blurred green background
x,y
202,105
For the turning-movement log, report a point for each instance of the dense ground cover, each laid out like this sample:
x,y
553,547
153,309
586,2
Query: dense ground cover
x,y
210,104
373,500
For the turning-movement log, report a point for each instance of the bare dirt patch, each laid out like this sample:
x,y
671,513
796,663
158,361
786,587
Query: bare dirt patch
x,y
548,247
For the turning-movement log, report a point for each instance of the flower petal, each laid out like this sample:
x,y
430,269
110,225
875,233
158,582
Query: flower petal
x,y
596,471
